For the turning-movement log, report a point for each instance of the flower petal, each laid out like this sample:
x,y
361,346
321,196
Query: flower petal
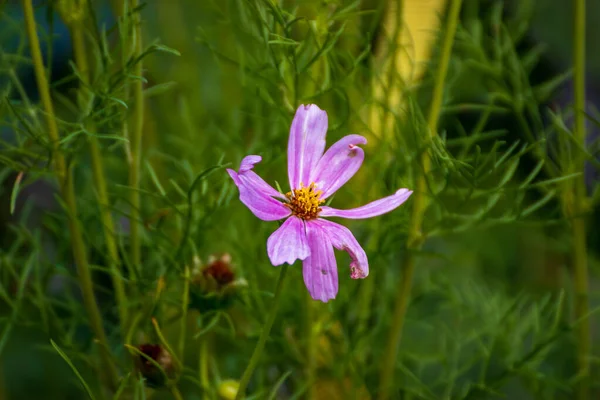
x,y
320,268
339,163
248,163
288,243
250,176
342,239
306,143
257,194
372,209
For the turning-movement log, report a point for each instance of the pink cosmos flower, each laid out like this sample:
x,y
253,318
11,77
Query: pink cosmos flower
x,y
314,177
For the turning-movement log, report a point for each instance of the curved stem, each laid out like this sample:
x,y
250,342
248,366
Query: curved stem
x,y
415,237
68,195
580,198
263,335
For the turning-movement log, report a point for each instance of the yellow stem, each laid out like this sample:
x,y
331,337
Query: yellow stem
x,y
579,207
108,228
415,236
68,195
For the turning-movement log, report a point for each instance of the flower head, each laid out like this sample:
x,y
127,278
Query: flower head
x,y
314,175
213,285
155,376
215,275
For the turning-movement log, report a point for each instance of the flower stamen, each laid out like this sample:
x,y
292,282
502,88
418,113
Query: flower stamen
x,y
305,202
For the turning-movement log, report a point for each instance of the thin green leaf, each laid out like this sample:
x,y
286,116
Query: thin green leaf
x,y
15,192
155,179
74,369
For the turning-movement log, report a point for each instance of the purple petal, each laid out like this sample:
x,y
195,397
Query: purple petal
x,y
306,143
339,164
257,194
372,209
288,243
320,268
248,163
342,239
250,176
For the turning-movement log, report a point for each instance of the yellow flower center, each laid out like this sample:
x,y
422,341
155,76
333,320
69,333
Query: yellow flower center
x,y
305,202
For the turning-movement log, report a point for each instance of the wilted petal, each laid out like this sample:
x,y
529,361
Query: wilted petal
x,y
306,143
339,163
256,194
288,243
343,239
320,269
372,209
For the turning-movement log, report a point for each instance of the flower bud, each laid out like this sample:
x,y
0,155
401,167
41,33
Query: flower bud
x,y
160,369
227,389
71,11
218,272
213,284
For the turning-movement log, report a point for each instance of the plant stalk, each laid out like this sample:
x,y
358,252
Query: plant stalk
x,y
68,195
176,393
108,228
264,335
311,346
579,207
415,236
203,366
185,299
136,143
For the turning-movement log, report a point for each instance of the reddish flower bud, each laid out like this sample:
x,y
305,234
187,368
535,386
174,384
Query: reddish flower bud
x,y
220,271
213,283
157,371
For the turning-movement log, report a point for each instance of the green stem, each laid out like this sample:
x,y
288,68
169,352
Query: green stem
x,y
579,206
68,195
77,36
135,145
397,8
440,79
263,335
184,309
203,366
311,347
415,237
176,393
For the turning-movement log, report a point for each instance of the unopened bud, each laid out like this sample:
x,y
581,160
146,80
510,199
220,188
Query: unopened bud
x,y
160,369
213,283
71,11
228,389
